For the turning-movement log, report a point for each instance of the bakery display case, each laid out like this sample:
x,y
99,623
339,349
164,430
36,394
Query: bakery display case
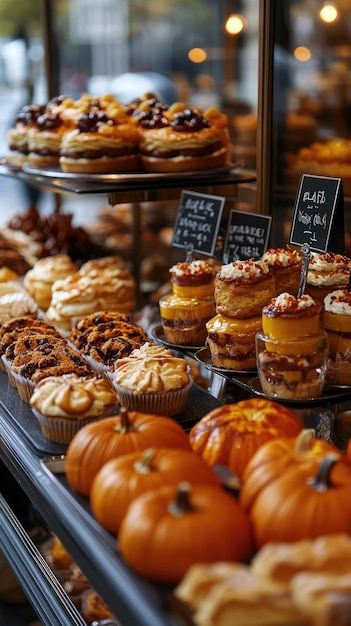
x,y
281,129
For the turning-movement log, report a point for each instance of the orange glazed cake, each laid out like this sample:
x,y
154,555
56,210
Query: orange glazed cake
x,y
286,265
186,310
337,323
292,349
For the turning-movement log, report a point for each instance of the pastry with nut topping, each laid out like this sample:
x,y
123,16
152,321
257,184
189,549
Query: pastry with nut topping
x,y
286,266
180,139
63,404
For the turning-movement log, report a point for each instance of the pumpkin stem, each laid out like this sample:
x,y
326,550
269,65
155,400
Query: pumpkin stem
x,y
303,440
125,425
181,504
143,464
320,482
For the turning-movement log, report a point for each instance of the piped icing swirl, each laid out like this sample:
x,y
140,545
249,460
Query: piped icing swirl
x,y
328,262
74,397
151,369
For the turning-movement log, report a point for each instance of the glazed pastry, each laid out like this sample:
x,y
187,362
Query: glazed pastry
x,y
232,341
18,135
292,350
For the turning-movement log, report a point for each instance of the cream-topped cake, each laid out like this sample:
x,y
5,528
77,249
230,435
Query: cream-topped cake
x,y
286,265
337,323
327,272
242,288
292,349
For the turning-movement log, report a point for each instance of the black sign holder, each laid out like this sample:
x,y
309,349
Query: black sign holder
x,y
319,214
198,221
247,236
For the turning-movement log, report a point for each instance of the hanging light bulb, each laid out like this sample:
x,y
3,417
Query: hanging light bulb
x,y
329,12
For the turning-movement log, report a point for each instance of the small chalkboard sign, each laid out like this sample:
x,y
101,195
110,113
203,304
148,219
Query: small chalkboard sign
x,y
247,236
198,221
318,218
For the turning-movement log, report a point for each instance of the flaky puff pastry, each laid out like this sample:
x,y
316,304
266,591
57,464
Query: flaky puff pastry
x,y
72,396
39,280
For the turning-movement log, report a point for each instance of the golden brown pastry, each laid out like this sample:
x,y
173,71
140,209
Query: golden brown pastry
x,y
286,265
243,288
326,273
180,139
38,281
232,341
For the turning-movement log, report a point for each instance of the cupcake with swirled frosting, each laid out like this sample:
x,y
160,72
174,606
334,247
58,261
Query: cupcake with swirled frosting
x,y
337,323
152,380
63,404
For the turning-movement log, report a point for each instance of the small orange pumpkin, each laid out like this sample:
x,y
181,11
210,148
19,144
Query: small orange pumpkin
x,y
100,441
124,478
231,434
304,502
274,457
166,530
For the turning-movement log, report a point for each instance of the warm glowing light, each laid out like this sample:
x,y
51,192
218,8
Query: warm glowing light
x,y
302,54
328,13
197,55
235,24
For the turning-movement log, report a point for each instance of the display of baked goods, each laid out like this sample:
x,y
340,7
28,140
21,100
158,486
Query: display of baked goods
x,y
151,379
292,350
185,311
100,135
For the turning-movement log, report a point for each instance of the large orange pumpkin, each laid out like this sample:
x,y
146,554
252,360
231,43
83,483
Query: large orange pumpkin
x,y
304,502
231,434
122,479
276,456
166,530
111,437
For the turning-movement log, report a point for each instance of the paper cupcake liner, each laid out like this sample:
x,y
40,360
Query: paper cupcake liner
x,y
24,386
159,403
60,430
8,369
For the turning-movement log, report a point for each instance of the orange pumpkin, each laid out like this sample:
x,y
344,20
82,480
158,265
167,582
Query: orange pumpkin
x,y
166,530
122,479
231,434
111,437
276,456
304,502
